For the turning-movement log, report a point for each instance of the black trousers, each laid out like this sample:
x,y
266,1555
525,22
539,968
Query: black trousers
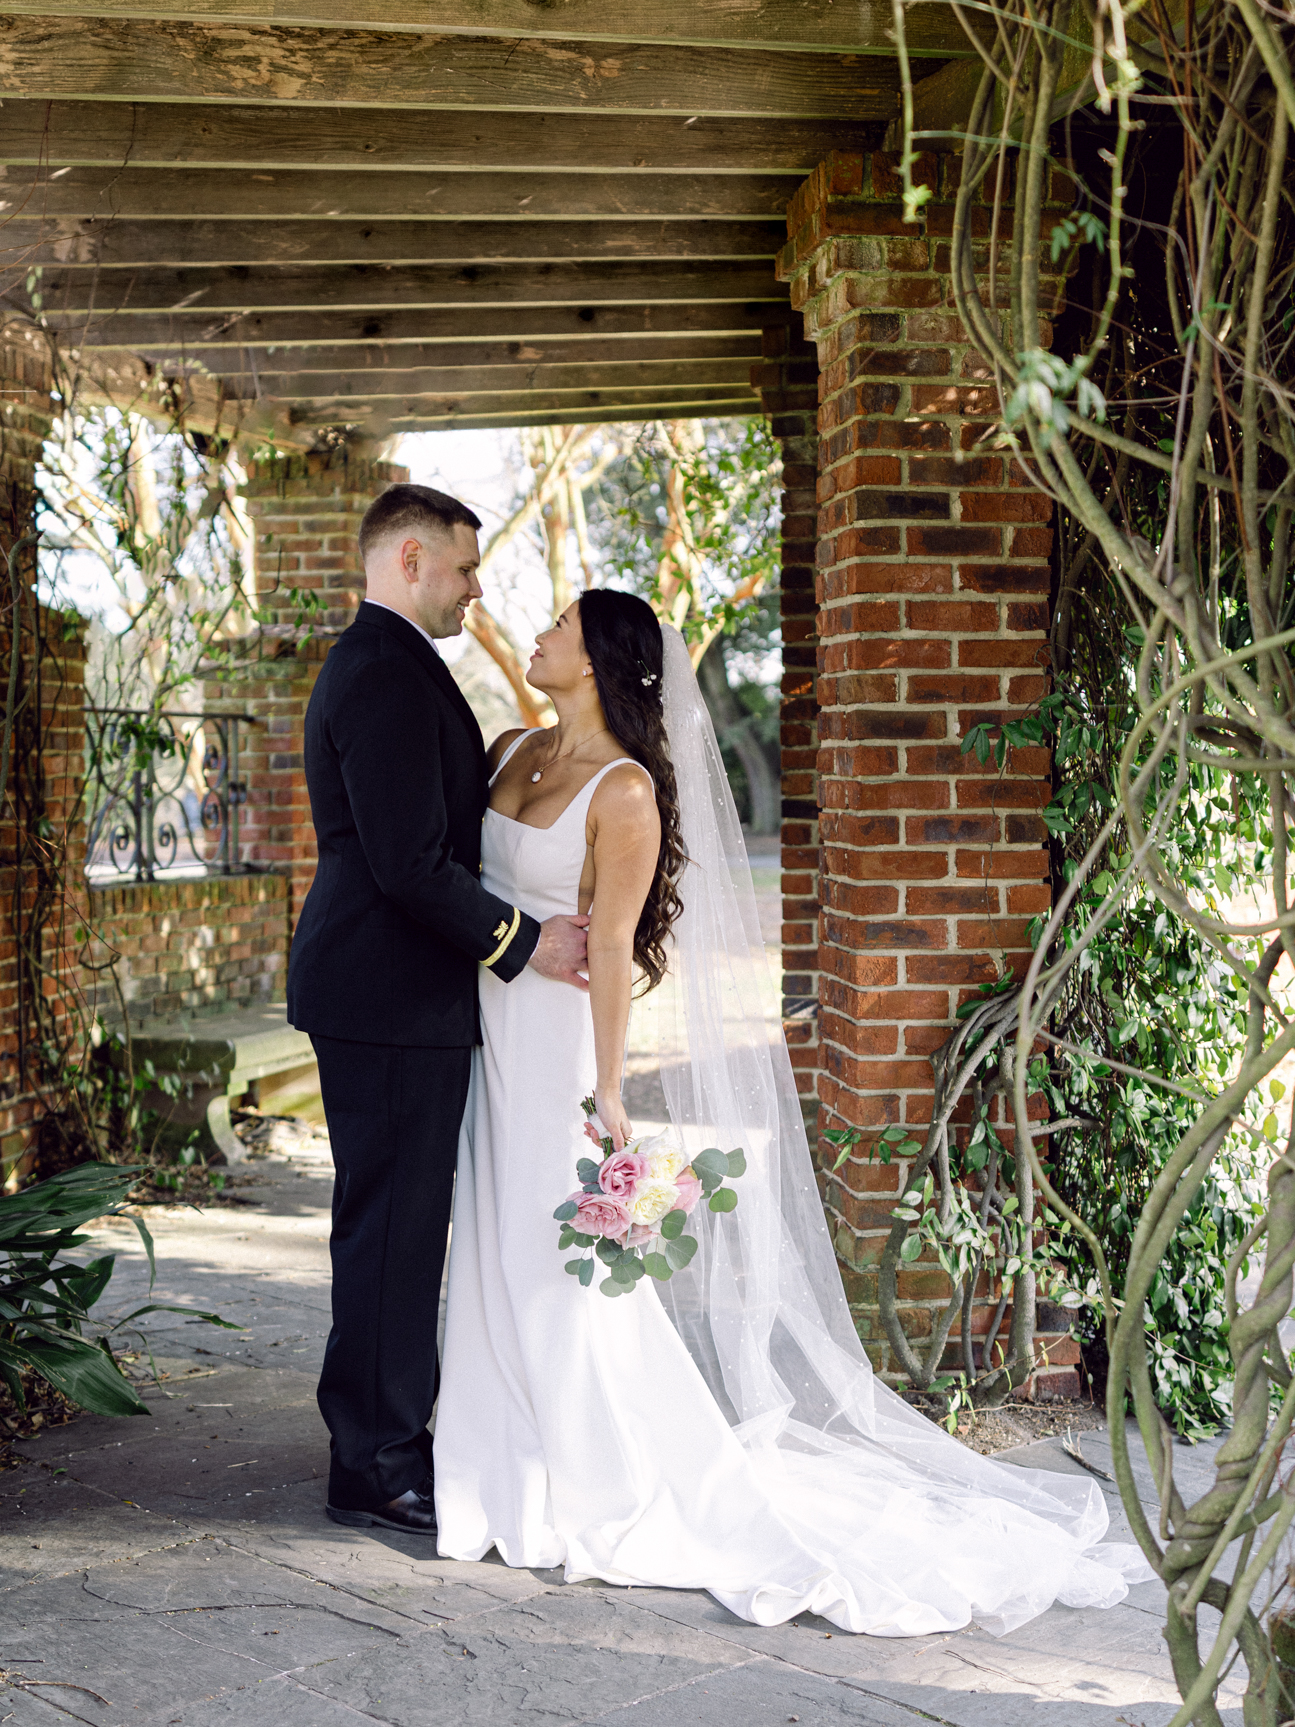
x,y
393,1119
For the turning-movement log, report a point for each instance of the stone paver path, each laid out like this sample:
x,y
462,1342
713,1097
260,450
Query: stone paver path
x,y
178,1569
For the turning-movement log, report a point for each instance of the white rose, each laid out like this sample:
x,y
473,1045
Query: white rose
x,y
664,1165
652,1200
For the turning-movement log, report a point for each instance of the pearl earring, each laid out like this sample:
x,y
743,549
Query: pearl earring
x,y
585,673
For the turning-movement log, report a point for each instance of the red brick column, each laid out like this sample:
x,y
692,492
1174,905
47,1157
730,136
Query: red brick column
x,y
306,512
45,841
787,379
933,596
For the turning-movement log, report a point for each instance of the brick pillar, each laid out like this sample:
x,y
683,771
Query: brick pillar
x,y
42,835
787,379
933,585
306,513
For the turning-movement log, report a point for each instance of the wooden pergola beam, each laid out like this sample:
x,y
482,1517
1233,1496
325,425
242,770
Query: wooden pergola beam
x,y
783,26
483,360
740,407
574,406
197,194
124,244
72,296
124,136
149,60
196,332
625,378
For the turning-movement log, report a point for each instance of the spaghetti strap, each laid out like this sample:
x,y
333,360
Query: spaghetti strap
x,y
505,758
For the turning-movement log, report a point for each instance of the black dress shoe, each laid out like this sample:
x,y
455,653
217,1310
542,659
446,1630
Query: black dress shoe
x,y
414,1513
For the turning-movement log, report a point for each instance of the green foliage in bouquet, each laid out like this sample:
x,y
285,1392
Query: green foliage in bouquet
x,y
661,1254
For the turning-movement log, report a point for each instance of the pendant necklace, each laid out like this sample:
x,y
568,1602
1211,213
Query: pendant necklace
x,y
540,772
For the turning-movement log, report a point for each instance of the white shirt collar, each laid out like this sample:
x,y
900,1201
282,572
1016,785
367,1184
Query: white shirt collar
x,y
395,614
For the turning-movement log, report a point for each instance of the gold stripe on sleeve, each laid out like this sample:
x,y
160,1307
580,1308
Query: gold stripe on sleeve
x,y
512,931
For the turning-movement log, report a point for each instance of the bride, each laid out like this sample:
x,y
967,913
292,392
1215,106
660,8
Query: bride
x,y
723,1431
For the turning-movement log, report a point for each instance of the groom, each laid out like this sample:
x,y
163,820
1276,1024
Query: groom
x,y
383,975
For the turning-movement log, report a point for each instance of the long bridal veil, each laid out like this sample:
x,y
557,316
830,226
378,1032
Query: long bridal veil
x,y
762,1308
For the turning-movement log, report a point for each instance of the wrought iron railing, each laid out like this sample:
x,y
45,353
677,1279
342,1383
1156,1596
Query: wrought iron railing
x,y
164,792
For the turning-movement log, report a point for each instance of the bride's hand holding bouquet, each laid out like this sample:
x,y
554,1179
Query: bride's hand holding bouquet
x,y
633,1203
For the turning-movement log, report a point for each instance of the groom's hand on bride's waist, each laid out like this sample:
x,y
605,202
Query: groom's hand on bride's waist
x,y
561,951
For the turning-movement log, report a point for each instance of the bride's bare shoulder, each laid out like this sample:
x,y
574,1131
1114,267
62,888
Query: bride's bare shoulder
x,y
500,744
625,797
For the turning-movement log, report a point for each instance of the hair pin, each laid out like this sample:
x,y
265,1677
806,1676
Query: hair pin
x,y
649,679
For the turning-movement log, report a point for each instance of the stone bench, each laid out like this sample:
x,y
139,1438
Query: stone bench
x,y
217,1058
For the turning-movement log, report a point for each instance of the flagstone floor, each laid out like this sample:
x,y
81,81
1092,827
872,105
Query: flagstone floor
x,y
177,1569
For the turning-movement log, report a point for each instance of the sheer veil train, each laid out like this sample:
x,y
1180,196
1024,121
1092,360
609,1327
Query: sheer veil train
x,y
762,1308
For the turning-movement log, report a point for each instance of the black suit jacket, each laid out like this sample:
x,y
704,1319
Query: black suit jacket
x,y
396,921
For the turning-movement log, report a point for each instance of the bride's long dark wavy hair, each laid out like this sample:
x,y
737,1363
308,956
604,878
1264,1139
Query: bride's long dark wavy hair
x,y
623,640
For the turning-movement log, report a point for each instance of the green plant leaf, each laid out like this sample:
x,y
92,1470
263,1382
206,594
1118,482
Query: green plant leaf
x,y
736,1164
84,1373
573,1266
671,1225
586,1273
724,1200
680,1252
658,1266
566,1211
910,1248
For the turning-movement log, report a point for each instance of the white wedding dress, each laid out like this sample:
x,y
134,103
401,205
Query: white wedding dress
x,y
580,1432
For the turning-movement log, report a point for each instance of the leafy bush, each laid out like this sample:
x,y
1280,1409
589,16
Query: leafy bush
x,y
45,1299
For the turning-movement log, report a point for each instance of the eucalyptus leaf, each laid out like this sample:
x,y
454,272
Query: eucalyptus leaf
x,y
658,1266
711,1162
609,1286
573,1266
671,1225
566,1211
724,1200
736,1163
680,1252
586,1273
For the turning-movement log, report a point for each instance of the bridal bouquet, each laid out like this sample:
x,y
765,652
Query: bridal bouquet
x,y
631,1207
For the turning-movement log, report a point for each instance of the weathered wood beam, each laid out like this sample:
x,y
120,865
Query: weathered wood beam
x,y
481,359
129,59
125,382
69,294
196,194
618,377
125,244
786,26
197,332
126,135
575,406
739,408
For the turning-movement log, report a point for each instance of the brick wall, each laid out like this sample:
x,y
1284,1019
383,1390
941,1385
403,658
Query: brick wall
x,y
932,590
187,945
306,513
787,379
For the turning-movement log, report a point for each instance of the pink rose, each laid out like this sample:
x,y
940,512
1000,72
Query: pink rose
x,y
639,1233
689,1189
599,1214
620,1174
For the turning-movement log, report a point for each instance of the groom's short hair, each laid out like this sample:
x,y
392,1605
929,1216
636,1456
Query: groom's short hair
x,y
402,507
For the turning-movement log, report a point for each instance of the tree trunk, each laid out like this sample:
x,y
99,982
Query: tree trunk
x,y
735,730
